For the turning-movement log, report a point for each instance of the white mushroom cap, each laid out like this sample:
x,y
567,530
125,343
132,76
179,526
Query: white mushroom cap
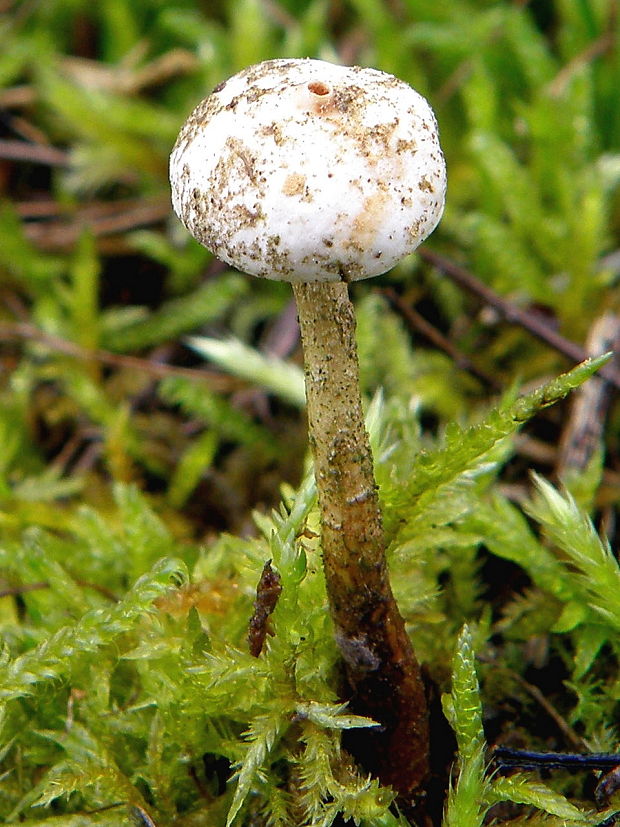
x,y
302,170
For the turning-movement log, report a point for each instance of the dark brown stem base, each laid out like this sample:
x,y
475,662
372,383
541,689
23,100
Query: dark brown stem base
x,y
381,668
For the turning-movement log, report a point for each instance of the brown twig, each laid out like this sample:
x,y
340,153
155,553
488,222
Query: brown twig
x,y
17,96
528,321
436,338
23,330
48,208
278,14
59,235
13,591
583,433
605,43
87,458
567,731
129,79
33,153
283,336
97,587
93,211
25,129
24,588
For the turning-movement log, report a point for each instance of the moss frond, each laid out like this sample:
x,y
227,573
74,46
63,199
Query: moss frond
x,y
465,454
524,790
229,423
330,785
260,739
97,629
573,533
466,806
281,378
176,317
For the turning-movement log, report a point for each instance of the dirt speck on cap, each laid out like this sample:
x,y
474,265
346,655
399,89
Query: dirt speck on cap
x,y
295,184
366,223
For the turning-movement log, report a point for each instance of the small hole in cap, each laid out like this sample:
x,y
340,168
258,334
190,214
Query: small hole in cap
x,y
318,88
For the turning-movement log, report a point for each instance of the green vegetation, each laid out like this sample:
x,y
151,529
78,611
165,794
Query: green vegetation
x,y
152,437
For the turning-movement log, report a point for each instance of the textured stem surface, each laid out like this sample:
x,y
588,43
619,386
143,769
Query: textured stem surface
x,y
381,668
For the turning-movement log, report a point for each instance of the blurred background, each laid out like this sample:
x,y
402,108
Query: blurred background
x,y
101,287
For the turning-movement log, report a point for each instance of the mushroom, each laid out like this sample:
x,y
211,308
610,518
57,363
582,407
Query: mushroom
x,y
318,174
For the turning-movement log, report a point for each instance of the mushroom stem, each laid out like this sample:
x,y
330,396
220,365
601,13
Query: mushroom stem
x,y
381,667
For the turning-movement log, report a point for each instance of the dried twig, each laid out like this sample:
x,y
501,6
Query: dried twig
x,y
60,235
605,43
583,434
23,330
23,588
13,591
436,338
128,79
33,153
17,96
528,321
567,731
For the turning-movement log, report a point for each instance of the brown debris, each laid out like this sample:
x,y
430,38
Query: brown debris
x,y
583,434
267,593
513,314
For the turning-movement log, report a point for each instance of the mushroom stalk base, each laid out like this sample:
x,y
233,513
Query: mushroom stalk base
x,y
381,668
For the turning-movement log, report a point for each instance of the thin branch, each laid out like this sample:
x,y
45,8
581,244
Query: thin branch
x,y
99,588
567,731
24,588
23,330
582,435
528,759
55,235
13,591
33,153
605,43
17,96
513,314
436,338
129,79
